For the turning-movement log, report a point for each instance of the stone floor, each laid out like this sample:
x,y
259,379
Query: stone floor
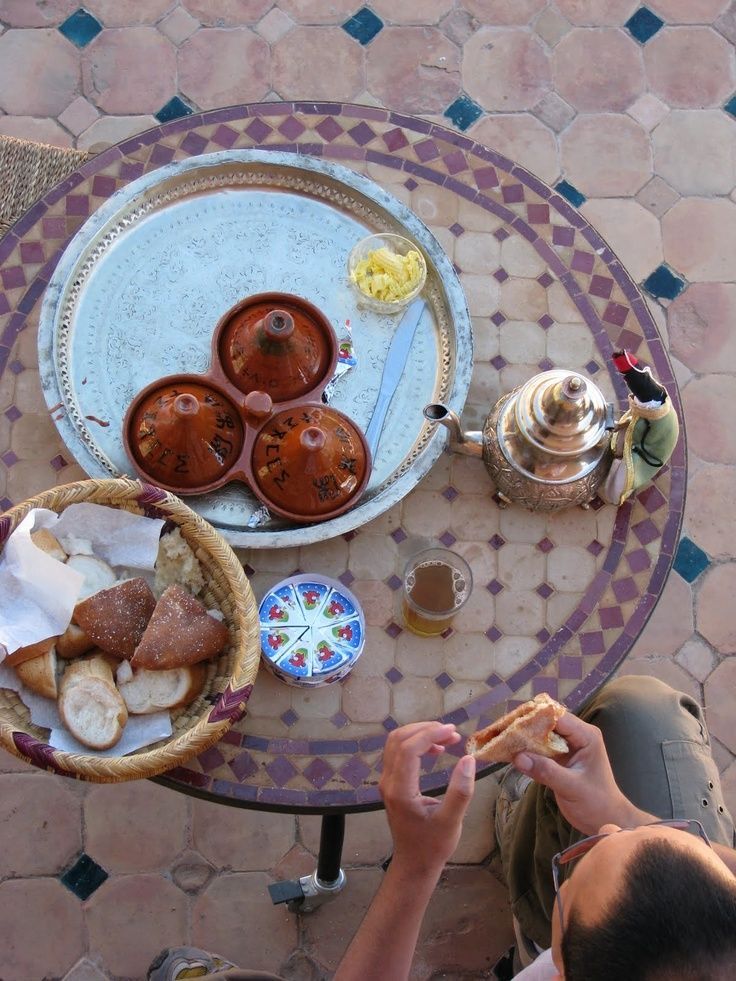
x,y
634,108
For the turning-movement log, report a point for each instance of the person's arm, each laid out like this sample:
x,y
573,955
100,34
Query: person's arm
x,y
425,833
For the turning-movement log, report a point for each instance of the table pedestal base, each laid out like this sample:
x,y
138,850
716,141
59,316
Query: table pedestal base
x,y
312,891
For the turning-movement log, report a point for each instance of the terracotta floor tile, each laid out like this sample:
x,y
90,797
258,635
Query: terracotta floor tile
x,y
30,952
367,837
714,610
31,128
129,71
631,230
707,520
712,435
37,13
455,934
690,66
151,816
523,138
597,12
689,11
671,624
606,156
505,69
504,12
598,70
39,72
235,838
298,69
224,67
708,166
235,917
719,689
664,669
414,11
41,822
413,69
125,13
699,330
328,932
699,236
131,918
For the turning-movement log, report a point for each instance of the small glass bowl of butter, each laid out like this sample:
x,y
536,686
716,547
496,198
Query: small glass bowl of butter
x,y
387,272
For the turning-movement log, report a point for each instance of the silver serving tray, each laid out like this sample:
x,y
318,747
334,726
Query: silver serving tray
x,y
139,289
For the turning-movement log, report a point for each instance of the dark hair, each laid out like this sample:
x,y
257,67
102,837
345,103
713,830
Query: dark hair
x,y
674,920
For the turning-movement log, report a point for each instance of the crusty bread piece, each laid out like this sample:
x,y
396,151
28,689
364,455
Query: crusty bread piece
x,y
93,710
39,674
48,543
97,664
97,574
22,654
153,691
529,728
73,642
180,632
115,619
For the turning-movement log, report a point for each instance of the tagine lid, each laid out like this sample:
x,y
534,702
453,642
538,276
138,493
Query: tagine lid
x,y
561,412
278,344
183,435
310,462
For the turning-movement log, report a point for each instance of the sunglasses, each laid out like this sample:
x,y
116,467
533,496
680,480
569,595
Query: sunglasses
x,y
582,847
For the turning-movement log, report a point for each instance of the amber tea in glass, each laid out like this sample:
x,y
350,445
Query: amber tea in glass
x,y
437,583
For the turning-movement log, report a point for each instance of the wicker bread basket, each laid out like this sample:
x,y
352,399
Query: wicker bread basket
x,y
230,677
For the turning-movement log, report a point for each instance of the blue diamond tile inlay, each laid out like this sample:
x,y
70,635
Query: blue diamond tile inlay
x,y
644,24
690,560
570,193
80,28
730,106
363,26
664,284
84,877
174,109
463,112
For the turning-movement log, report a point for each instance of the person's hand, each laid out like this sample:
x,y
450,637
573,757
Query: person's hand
x,y
425,830
583,783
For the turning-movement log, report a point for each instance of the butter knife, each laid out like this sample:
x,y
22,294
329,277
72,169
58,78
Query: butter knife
x,y
393,369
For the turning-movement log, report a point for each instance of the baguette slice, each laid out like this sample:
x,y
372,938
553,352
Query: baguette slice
x,y
153,691
529,728
97,664
180,632
115,619
39,674
97,574
93,710
48,543
73,642
28,653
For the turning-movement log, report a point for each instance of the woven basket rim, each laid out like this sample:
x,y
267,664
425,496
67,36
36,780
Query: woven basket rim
x,y
231,704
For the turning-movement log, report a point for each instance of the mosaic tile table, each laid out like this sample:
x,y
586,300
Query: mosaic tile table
x,y
558,599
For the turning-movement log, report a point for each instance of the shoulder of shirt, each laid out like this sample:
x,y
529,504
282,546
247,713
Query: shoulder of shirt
x,y
542,969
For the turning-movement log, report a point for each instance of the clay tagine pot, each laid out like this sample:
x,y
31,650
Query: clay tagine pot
x,y
310,463
278,344
183,434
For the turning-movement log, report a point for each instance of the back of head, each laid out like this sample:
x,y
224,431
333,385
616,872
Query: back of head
x,y
674,920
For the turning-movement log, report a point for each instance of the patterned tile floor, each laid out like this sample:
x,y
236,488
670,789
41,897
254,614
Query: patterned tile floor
x,y
633,109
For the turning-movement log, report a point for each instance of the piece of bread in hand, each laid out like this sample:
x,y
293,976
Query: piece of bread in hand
x,y
97,574
73,642
90,706
39,674
48,543
29,652
153,691
180,632
529,728
116,618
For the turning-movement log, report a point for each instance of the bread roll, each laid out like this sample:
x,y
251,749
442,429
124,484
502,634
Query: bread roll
x,y
22,654
180,632
529,728
93,710
115,619
98,664
39,674
97,574
47,542
153,691
73,642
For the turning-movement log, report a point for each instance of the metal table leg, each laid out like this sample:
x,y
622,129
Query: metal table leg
x,y
328,879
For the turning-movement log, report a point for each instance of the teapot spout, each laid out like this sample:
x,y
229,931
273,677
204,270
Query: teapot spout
x,y
469,443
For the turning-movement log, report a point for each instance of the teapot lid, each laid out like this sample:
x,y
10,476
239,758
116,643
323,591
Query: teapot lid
x,y
278,344
561,413
310,463
183,434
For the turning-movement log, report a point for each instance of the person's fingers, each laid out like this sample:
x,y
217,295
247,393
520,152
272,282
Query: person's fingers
x,y
546,771
401,735
401,766
575,731
459,791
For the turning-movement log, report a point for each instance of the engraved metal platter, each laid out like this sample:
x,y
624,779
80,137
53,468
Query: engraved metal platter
x,y
139,289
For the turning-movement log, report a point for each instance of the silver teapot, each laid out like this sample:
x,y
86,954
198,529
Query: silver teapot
x,y
546,444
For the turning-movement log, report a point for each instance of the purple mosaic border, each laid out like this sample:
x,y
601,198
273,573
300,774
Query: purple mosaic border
x,y
367,795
